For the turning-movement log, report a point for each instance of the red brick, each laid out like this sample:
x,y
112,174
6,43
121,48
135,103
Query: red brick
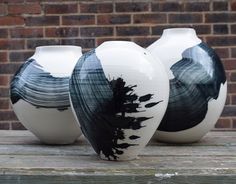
x,y
228,100
7,115
220,5
96,8
229,111
9,21
17,126
11,1
233,52
223,123
167,6
157,18
9,68
20,56
185,18
233,99
132,31
78,20
26,32
113,19
229,64
62,32
4,80
11,44
220,29
234,123
222,52
4,126
60,8
131,7
221,40
197,6
231,87
3,9
233,6
49,1
4,104
26,8
4,92
3,57
202,29
42,21
3,33
233,77
96,31
227,73
220,17
233,28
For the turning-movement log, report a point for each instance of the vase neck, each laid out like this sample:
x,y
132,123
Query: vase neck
x,y
59,49
179,33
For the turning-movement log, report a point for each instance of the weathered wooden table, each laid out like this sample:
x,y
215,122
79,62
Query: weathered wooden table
x,y
23,159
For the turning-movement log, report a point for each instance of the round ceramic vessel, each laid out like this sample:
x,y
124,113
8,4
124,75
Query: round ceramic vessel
x,y
40,94
198,85
119,94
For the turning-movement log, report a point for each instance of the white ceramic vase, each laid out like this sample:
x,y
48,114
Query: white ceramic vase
x,y
198,85
40,94
119,94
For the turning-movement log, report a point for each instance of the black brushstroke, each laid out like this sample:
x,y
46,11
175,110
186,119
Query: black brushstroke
x,y
39,88
149,105
197,80
145,98
133,137
103,106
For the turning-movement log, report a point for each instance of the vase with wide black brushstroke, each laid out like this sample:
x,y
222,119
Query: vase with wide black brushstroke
x,y
197,85
113,95
39,94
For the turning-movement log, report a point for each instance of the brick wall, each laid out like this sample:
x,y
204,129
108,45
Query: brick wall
x,y
26,24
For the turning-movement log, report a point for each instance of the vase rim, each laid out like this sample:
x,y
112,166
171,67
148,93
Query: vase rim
x,y
58,47
118,44
183,30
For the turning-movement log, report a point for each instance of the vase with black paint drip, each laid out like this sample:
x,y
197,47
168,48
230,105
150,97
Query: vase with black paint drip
x,y
198,85
39,94
119,94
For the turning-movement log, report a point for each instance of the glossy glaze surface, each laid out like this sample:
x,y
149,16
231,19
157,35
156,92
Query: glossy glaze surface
x,y
117,114
40,94
198,85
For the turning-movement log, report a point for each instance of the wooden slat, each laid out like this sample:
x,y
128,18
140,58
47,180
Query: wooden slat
x,y
26,138
24,159
78,165
77,150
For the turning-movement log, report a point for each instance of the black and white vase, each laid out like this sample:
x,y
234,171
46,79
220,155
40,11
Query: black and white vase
x,y
198,85
40,94
119,94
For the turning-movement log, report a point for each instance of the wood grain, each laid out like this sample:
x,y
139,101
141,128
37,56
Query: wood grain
x,y
23,158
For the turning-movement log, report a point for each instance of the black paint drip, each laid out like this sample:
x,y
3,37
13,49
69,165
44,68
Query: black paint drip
x,y
197,79
39,88
103,106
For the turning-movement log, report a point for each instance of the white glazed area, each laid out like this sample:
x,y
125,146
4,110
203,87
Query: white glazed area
x,y
137,67
169,49
52,126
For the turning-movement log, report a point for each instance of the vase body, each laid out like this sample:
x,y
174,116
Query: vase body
x,y
198,86
40,94
114,96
